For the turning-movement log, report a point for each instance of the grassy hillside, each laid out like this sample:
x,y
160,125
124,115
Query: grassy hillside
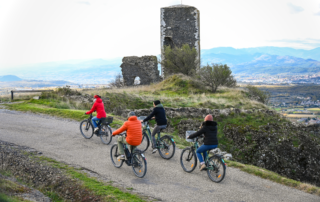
x,y
177,91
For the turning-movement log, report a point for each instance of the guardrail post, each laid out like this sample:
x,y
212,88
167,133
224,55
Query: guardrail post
x,y
11,95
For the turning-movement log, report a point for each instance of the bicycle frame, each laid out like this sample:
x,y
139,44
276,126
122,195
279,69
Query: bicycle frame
x,y
147,130
128,160
195,146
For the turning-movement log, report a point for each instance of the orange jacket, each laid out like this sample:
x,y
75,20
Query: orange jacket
x,y
134,131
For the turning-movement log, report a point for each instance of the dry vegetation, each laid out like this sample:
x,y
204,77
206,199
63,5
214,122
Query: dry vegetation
x,y
182,91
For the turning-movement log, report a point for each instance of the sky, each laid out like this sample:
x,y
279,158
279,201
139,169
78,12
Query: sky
x,y
36,31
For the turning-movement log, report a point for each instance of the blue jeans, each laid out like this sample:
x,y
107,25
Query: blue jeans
x,y
94,122
203,149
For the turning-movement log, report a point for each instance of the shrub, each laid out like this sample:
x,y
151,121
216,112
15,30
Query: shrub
x,y
117,82
180,60
255,93
217,75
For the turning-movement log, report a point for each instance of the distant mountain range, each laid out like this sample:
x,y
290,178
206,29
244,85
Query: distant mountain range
x,y
266,60
270,60
33,83
7,78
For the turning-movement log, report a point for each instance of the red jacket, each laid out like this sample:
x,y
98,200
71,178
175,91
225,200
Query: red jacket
x,y
99,107
134,131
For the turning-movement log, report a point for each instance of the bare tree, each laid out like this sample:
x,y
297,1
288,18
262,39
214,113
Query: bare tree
x,y
217,75
117,82
180,60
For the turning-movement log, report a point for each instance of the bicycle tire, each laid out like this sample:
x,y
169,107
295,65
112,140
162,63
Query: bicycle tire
x,y
139,164
114,154
165,147
190,158
214,174
145,142
106,134
85,129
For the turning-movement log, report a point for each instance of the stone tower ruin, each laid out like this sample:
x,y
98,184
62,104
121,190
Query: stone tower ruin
x,y
145,67
180,24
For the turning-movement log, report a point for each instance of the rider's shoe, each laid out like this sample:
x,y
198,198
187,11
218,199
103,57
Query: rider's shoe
x,y
154,150
96,130
203,167
121,157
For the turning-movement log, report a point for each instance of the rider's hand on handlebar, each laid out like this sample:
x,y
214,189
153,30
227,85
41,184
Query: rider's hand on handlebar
x,y
85,113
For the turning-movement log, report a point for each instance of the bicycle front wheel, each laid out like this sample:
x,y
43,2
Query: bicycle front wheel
x,y
188,160
216,169
114,153
167,147
86,129
105,134
144,143
139,164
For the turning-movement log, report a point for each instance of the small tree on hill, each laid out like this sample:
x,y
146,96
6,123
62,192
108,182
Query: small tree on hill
x,y
117,82
180,60
217,75
257,94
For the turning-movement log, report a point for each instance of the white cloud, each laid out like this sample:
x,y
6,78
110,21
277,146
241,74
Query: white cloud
x,y
37,31
318,13
294,8
307,43
84,2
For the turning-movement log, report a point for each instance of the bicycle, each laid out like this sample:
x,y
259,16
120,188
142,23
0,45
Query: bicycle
x,y
105,132
214,164
136,159
165,144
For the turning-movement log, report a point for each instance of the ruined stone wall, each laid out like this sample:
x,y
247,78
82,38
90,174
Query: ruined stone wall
x,y
145,67
180,25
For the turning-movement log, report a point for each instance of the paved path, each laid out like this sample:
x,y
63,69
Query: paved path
x,y
61,140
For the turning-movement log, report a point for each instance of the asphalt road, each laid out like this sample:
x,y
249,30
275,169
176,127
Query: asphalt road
x,y
61,140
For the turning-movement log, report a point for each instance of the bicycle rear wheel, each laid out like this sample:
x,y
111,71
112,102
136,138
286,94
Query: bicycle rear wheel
x,y
86,129
114,154
105,134
188,160
139,164
167,147
216,169
144,143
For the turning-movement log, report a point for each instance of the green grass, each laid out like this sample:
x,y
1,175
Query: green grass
x,y
6,198
12,187
44,107
9,187
103,189
272,176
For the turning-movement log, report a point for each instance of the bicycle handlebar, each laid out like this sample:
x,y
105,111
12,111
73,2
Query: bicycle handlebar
x,y
123,133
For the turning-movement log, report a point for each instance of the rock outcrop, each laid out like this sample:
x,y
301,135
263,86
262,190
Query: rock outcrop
x,y
289,150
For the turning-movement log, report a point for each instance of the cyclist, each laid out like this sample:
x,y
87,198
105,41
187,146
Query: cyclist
x,y
99,107
209,129
160,115
134,134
